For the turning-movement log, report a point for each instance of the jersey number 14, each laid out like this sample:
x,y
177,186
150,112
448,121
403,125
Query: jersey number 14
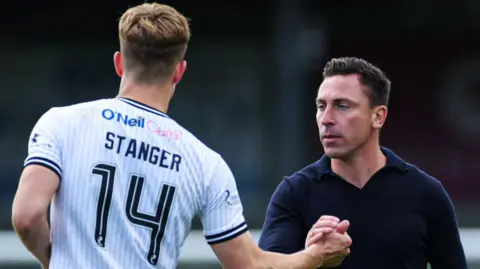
x,y
156,223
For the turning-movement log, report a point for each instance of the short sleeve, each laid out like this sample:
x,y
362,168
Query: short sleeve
x,y
282,230
222,213
44,145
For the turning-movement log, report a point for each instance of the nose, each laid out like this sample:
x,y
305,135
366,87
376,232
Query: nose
x,y
326,117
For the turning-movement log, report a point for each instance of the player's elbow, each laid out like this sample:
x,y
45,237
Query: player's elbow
x,y
22,223
24,219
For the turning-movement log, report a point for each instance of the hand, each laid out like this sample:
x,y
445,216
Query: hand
x,y
331,249
322,227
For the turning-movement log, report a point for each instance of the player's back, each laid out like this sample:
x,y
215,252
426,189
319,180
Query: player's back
x,y
132,180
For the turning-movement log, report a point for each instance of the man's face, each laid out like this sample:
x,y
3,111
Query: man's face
x,y
344,117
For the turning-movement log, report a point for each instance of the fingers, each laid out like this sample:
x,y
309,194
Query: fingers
x,y
343,226
325,223
345,239
323,230
314,239
342,240
348,239
316,234
332,222
327,217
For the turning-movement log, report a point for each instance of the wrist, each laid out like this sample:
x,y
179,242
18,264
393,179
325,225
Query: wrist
x,y
310,260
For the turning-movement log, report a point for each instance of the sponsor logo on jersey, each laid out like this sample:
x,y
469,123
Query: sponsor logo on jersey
x,y
164,132
126,120
232,198
35,138
39,141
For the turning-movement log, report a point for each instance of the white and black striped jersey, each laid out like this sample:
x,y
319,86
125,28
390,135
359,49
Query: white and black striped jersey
x,y
131,181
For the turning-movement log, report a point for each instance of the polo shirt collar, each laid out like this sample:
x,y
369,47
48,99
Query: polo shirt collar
x,y
394,162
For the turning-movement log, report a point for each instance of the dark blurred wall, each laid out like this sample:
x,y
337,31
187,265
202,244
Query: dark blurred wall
x,y
434,120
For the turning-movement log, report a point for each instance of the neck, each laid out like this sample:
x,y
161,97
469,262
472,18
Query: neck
x,y
156,96
358,169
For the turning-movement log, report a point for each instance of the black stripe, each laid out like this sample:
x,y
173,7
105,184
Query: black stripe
x,y
52,163
143,106
240,232
45,165
213,236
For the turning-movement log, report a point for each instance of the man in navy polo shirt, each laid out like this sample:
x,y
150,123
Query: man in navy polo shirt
x,y
401,217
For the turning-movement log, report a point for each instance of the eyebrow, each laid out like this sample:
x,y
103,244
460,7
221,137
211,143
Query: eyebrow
x,y
336,100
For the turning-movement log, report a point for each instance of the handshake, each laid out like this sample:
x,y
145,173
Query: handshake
x,y
329,241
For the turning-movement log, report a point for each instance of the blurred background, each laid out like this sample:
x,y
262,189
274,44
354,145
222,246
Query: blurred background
x,y
253,74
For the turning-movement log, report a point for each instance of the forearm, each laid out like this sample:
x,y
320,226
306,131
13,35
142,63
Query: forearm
x,y
243,253
36,238
299,260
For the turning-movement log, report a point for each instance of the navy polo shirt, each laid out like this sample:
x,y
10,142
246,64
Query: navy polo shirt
x,y
401,219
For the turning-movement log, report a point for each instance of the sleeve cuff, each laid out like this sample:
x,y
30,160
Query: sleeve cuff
x,y
45,163
227,235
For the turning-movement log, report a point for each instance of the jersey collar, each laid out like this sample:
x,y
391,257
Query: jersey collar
x,y
142,106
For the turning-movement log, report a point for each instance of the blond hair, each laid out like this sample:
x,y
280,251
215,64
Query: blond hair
x,y
153,39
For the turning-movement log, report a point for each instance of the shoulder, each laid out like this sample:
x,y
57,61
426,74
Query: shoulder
x,y
207,162
203,153
435,198
90,107
195,143
76,110
430,187
421,177
56,116
292,188
303,178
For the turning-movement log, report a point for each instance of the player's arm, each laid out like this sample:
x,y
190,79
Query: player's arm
x,y
242,252
226,231
38,183
445,249
282,231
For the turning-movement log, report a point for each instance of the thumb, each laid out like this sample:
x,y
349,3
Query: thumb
x,y
343,226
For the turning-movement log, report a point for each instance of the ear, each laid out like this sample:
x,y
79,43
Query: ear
x,y
179,71
379,116
117,63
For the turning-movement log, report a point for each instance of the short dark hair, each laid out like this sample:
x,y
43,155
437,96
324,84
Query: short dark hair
x,y
370,76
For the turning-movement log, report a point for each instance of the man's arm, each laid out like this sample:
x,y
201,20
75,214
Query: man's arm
x,y
242,253
226,231
35,191
445,249
282,231
38,183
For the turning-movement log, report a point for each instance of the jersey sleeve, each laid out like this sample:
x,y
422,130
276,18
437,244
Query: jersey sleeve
x,y
222,214
44,145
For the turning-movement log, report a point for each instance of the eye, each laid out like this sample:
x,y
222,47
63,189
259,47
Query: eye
x,y
343,106
320,106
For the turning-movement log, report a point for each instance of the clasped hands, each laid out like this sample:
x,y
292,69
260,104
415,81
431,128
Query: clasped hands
x,y
330,235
